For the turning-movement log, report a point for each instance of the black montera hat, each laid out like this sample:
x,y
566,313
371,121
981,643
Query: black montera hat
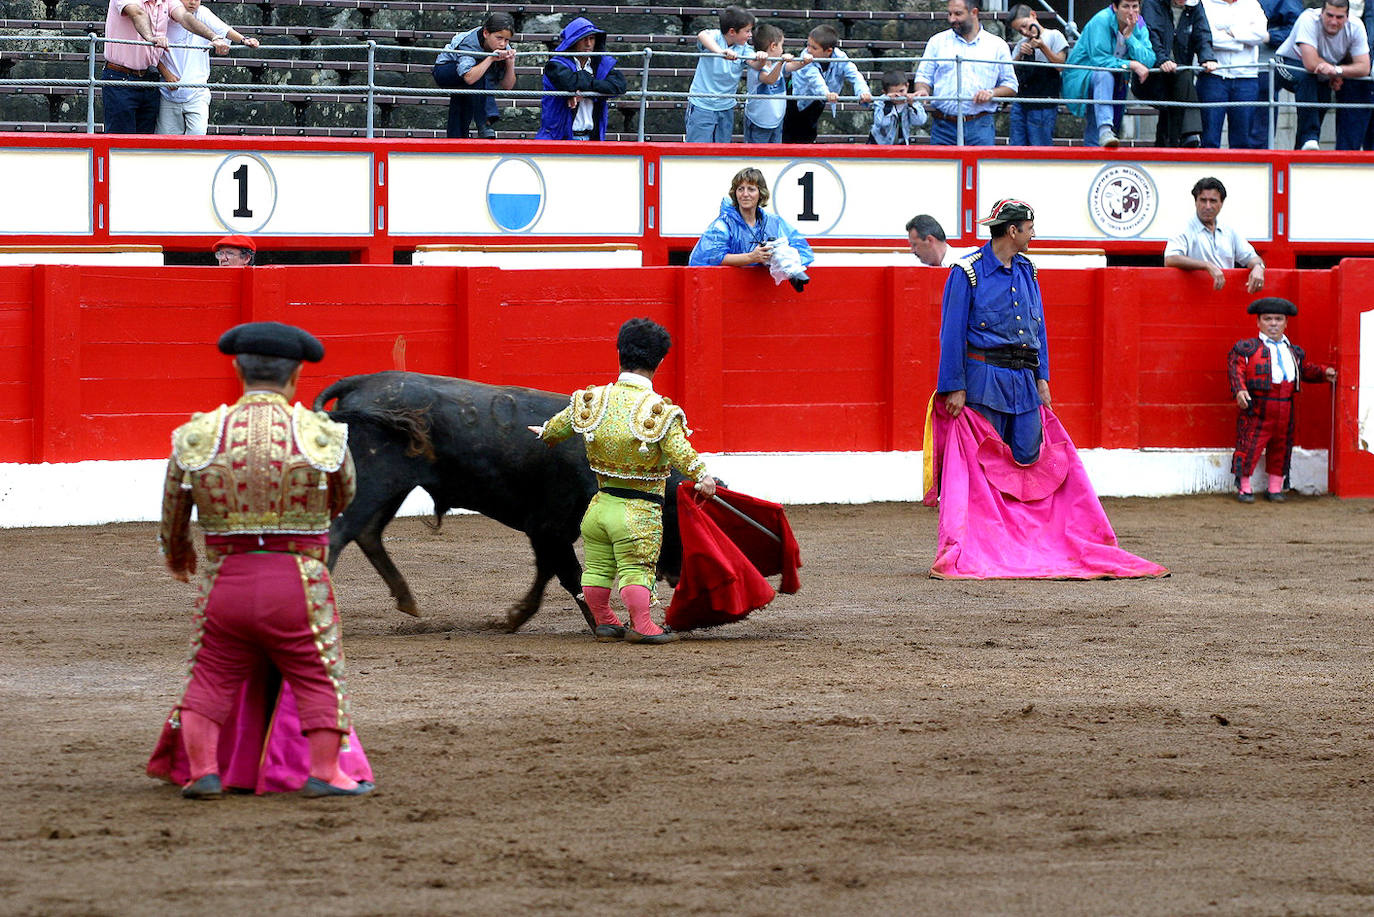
x,y
1008,211
1272,305
272,339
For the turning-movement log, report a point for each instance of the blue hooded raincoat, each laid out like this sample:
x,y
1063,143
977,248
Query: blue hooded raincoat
x,y
728,234
564,74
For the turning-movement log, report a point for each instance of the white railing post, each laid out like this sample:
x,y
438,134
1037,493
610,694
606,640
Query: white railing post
x,y
371,85
644,91
90,84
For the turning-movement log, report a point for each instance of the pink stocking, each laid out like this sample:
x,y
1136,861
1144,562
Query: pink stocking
x,y
1275,483
636,599
1245,483
599,601
200,736
324,758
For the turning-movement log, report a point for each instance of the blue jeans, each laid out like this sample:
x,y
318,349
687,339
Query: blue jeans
x,y
1032,126
978,132
1213,88
1104,87
755,134
1350,122
131,110
707,126
464,109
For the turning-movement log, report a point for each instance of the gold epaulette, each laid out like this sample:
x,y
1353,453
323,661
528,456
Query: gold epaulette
x,y
588,409
654,415
196,442
967,262
321,440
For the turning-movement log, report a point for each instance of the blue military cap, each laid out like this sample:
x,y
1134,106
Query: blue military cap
x,y
272,339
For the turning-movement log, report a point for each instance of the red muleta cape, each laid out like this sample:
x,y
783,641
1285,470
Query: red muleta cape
x,y
725,559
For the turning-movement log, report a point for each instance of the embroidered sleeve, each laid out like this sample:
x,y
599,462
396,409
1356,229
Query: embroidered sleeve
x,y
558,427
343,485
679,452
1237,363
174,536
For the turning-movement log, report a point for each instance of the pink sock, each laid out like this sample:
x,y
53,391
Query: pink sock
x,y
200,736
1245,484
636,599
1275,483
324,758
599,601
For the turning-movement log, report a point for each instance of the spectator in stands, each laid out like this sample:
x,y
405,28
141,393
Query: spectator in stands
x,y
1032,123
1282,14
187,110
927,238
1239,27
579,66
481,58
235,251
727,51
1326,53
133,109
1207,245
973,92
825,71
745,234
763,113
1116,40
896,115
1179,34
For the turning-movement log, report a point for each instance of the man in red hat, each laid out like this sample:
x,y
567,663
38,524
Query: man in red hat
x,y
235,251
1265,372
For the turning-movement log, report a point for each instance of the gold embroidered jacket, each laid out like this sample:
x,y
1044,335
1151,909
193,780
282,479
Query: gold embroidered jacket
x,y
261,466
632,433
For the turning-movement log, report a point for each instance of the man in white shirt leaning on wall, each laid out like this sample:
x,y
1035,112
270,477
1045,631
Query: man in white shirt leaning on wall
x,y
1207,245
186,110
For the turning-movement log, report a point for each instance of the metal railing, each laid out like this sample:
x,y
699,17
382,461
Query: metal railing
x,y
367,93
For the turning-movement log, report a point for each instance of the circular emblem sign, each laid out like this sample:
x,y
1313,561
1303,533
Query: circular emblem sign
x,y
1122,201
243,192
810,195
515,194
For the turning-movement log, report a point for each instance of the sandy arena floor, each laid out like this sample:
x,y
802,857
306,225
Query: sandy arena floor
x,y
879,743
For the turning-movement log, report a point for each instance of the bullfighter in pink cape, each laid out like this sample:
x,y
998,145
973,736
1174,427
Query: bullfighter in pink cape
x,y
1014,499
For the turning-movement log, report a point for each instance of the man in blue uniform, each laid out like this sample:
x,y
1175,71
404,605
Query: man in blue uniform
x,y
993,353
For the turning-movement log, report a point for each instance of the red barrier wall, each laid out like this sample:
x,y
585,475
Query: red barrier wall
x,y
102,362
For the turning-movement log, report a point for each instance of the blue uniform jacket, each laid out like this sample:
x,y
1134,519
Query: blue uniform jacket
x,y
1003,309
728,234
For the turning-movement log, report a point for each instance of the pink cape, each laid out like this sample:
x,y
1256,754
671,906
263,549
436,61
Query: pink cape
x,y
261,747
1001,520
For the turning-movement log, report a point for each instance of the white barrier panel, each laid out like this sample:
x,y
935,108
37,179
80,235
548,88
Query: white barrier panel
x,y
842,197
1315,198
1364,397
476,194
180,192
1082,199
556,259
826,257
46,192
136,254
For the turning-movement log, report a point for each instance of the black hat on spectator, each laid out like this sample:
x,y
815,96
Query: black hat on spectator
x,y
1272,305
272,339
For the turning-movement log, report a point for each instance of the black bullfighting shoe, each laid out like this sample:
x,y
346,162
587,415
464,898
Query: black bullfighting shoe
x,y
799,281
668,636
1245,498
1274,496
207,787
609,633
315,788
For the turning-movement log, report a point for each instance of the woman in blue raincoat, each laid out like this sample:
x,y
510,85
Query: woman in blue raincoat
x,y
744,233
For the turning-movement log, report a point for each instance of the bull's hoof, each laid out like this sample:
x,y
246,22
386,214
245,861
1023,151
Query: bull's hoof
x,y
408,606
516,618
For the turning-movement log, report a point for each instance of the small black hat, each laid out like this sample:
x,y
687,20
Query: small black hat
x,y
1272,305
272,339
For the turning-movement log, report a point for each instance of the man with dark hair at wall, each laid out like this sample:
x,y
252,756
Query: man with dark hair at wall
x,y
1326,55
1208,245
633,435
969,87
266,478
927,239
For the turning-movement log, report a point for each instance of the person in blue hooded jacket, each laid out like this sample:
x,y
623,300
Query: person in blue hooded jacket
x,y
743,233
578,67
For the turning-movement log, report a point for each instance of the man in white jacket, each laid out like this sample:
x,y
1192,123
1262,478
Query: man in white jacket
x,y
1239,28
186,110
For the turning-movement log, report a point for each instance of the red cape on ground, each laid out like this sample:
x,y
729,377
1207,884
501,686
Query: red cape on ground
x,y
725,559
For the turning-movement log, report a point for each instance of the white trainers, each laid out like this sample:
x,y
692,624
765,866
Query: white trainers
x,y
1311,145
1107,138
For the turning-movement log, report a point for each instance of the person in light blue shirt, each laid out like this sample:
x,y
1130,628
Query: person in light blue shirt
x,y
966,69
896,115
825,71
711,103
764,110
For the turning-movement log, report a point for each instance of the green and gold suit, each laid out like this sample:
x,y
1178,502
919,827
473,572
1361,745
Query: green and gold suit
x,y
633,435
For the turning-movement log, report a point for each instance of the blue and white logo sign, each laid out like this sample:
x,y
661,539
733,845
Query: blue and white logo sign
x,y
1122,201
515,194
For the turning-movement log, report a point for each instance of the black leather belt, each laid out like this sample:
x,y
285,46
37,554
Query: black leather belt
x,y
1006,357
627,494
941,116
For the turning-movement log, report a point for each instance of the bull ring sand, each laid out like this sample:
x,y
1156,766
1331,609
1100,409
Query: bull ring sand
x,y
879,743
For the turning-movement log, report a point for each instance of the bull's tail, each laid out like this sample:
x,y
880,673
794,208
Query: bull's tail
x,y
337,390
412,423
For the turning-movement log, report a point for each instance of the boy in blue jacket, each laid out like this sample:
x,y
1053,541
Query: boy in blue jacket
x,y
826,72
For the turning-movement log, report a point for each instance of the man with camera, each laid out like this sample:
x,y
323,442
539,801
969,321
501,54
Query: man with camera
x,y
1032,123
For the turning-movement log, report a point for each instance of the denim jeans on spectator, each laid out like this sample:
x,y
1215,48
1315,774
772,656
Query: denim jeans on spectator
x,y
755,134
131,110
978,132
706,126
1241,92
1351,123
1033,125
1104,86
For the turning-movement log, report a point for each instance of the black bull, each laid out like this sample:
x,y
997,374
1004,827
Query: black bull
x,y
467,445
